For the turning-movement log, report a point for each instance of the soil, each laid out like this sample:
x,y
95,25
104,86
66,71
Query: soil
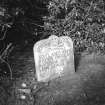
x,y
85,87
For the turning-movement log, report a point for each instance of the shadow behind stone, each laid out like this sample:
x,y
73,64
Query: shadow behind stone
x,y
77,58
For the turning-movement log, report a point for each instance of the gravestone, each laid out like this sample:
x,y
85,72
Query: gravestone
x,y
54,57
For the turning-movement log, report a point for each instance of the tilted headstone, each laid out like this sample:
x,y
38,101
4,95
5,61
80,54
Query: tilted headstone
x,y
54,57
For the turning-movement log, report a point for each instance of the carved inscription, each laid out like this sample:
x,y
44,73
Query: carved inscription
x,y
52,58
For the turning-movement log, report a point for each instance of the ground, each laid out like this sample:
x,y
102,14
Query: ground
x,y
85,87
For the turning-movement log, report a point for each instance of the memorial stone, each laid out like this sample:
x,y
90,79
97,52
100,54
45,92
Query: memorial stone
x,y
54,58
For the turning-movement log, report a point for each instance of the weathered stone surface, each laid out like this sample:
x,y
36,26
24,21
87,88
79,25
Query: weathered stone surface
x,y
54,57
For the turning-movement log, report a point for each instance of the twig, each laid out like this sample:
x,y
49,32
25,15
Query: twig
x,y
3,56
27,20
88,11
37,25
8,67
6,51
4,34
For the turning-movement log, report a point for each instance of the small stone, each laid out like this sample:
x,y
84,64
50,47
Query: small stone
x,y
23,85
25,90
23,97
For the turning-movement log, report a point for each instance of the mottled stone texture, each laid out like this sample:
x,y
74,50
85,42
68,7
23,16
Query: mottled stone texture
x,y
54,57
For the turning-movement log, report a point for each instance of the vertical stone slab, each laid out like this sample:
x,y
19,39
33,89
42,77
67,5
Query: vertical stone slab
x,y
54,57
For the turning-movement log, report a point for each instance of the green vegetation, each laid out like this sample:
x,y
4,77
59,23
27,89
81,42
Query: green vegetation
x,y
24,22
82,20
